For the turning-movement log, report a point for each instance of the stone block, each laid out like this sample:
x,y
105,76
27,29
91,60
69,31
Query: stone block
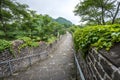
x,y
100,70
95,73
107,78
113,55
107,67
92,58
96,56
116,76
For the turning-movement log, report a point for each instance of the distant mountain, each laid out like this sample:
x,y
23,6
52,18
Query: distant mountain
x,y
64,21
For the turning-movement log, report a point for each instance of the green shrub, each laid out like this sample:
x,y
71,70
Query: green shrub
x,y
28,42
73,29
51,40
25,39
103,36
34,44
36,38
4,45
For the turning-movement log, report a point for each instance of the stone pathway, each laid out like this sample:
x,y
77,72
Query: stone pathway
x,y
58,66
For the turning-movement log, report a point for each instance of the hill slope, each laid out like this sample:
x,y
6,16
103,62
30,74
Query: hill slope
x,y
63,21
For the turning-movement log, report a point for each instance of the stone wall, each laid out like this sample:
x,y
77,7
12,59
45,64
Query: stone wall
x,y
41,52
20,64
101,65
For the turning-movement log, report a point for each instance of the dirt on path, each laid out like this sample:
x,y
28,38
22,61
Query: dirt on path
x,y
58,66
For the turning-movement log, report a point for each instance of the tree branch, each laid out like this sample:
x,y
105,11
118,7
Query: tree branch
x,y
117,10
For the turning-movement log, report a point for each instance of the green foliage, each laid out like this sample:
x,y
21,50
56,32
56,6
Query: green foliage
x,y
73,28
25,39
34,44
51,40
96,36
4,45
28,42
19,22
64,21
97,11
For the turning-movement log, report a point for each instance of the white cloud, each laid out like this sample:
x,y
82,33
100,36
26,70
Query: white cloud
x,y
54,8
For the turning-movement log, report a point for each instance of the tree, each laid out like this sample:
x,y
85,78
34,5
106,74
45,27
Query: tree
x,y
115,15
17,21
97,11
11,12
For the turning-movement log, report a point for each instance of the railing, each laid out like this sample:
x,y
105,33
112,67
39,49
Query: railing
x,y
29,59
8,67
79,70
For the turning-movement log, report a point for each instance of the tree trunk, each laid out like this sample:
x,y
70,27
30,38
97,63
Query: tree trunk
x,y
114,17
103,21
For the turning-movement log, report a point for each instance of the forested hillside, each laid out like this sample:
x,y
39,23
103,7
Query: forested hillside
x,y
64,21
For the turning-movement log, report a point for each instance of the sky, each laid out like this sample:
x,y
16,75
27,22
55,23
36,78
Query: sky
x,y
54,8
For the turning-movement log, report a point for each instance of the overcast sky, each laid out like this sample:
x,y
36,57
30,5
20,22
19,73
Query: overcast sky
x,y
54,8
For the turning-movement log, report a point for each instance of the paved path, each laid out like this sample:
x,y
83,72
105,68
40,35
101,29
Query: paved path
x,y
58,66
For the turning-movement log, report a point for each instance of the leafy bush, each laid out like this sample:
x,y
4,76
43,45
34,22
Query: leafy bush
x,y
52,39
4,45
36,38
73,28
96,36
28,42
25,39
2,33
